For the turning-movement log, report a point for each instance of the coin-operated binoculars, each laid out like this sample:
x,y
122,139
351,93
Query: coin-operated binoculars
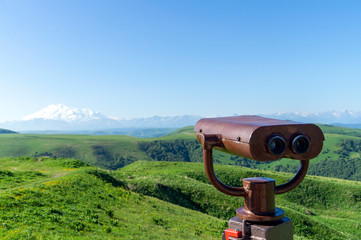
x,y
260,139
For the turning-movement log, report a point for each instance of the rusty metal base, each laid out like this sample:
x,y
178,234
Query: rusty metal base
x,y
276,230
247,215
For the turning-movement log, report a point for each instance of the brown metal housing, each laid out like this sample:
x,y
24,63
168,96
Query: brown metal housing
x,y
247,136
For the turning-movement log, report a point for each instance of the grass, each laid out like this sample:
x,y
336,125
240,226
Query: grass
x,y
53,201
336,203
45,198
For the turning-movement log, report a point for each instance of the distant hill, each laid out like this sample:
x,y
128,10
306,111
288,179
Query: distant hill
x,y
341,155
185,131
6,131
135,132
348,125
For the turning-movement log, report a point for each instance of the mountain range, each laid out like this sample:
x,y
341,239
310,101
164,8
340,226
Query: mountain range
x,y
331,117
59,117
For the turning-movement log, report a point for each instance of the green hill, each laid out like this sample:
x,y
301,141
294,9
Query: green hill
x,y
185,132
6,131
335,203
43,198
341,155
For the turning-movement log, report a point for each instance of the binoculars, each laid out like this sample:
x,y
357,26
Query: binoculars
x,y
260,139
263,139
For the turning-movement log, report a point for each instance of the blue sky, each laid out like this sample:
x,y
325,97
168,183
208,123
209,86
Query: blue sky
x,y
143,58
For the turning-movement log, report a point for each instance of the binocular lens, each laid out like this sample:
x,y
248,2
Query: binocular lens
x,y
277,145
300,144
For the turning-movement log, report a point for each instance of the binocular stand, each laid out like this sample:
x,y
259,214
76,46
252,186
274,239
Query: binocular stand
x,y
260,139
259,218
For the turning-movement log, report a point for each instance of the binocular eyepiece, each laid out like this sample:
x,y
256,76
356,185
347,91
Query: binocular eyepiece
x,y
299,145
277,145
263,139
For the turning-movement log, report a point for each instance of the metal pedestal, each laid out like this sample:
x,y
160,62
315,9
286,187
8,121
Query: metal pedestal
x,y
276,230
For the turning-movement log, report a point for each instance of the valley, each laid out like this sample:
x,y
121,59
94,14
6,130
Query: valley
x,y
341,156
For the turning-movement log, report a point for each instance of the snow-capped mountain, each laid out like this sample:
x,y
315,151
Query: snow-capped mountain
x,y
60,112
59,117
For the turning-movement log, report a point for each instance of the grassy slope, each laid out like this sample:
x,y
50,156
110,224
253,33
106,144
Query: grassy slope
x,y
336,203
43,198
61,199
